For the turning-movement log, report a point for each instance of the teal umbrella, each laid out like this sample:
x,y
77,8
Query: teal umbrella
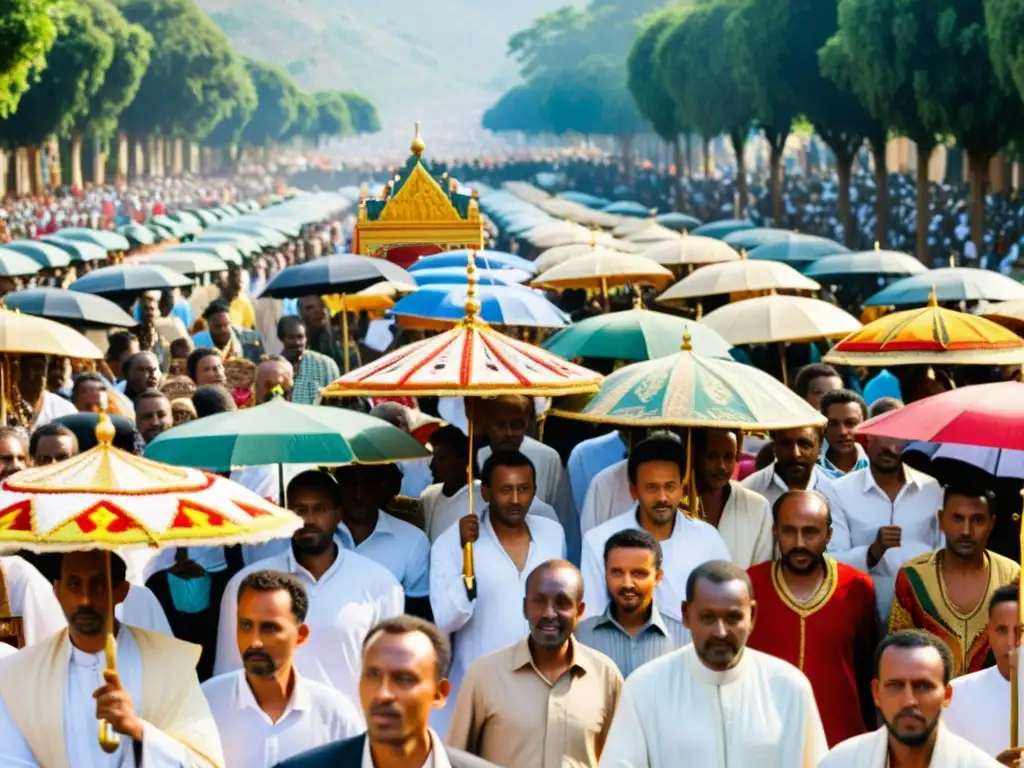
x,y
78,250
243,244
137,234
205,216
720,229
750,239
47,255
224,251
949,284
279,432
797,250
15,264
876,262
172,226
265,236
189,219
108,241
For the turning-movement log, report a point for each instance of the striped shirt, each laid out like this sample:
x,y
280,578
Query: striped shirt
x,y
316,371
660,635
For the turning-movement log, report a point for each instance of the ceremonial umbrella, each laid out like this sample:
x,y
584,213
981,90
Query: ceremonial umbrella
x,y
741,276
129,279
652,233
493,260
108,241
438,306
471,360
797,249
106,498
456,276
750,239
71,307
603,269
949,284
690,250
17,264
678,221
553,256
78,250
876,262
137,234
47,255
722,228
929,336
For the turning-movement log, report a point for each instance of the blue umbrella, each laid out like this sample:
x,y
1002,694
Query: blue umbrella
x,y
756,237
950,284
720,229
500,305
863,263
70,307
678,221
628,208
47,255
457,276
109,241
130,278
583,198
796,250
492,260
78,250
16,264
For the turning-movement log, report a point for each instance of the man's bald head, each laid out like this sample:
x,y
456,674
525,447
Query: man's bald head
x,y
271,373
564,569
395,414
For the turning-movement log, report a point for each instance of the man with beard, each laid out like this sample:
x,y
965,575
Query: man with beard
x,y
884,515
152,414
795,467
945,592
715,702
743,518
656,470
817,614
348,593
141,372
910,688
50,700
632,630
313,371
267,712
548,700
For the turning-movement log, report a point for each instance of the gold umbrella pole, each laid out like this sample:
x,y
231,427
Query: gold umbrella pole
x,y
467,549
1014,673
109,739
782,361
344,330
5,384
604,294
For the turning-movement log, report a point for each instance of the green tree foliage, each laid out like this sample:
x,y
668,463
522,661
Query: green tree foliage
x,y
278,99
27,31
363,113
646,82
304,126
332,116
590,98
228,132
517,110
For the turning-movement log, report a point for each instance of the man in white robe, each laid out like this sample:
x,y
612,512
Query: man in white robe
x,y
716,703
30,596
911,689
52,693
440,512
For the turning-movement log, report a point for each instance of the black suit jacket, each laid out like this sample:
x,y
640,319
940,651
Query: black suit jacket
x,y
349,754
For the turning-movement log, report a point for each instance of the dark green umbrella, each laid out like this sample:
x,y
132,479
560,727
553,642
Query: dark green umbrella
x,y
137,234
279,432
47,255
108,241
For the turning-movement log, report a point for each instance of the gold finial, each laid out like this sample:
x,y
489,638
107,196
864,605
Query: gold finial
x,y
472,304
638,301
952,260
743,254
397,178
475,193
687,346
878,246
933,300
364,191
417,143
685,232
105,430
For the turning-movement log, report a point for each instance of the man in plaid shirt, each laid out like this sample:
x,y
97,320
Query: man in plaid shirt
x,y
313,371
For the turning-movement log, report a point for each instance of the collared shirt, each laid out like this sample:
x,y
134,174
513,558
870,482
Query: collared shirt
x,y
607,496
351,597
590,457
437,758
835,472
400,547
509,713
315,372
440,512
770,484
315,715
692,542
658,636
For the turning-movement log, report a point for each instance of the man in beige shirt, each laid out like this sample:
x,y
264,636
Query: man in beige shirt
x,y
547,701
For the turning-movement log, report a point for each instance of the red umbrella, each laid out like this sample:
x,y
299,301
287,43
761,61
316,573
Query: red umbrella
x,y
990,415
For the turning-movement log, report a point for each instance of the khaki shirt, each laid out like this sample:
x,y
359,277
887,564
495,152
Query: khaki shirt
x,y
507,712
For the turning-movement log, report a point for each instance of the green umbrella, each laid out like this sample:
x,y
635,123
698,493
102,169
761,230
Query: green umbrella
x,y
190,220
265,236
798,250
189,263
47,255
16,264
279,432
172,226
224,251
243,244
137,234
205,217
160,234
108,241
78,250
639,334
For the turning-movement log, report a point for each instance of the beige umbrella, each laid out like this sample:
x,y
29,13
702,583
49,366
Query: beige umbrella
x,y
776,319
550,235
602,269
560,253
741,276
653,233
632,224
1009,314
690,251
526,192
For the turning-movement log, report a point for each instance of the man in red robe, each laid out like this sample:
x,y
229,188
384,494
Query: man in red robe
x,y
817,614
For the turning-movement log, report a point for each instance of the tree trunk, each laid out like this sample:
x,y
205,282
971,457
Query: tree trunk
x,y
4,160
35,171
99,162
626,143
777,144
739,145
21,182
152,166
977,165
924,193
689,154
677,179
193,158
77,182
121,174
51,153
707,158
178,160
878,146
844,167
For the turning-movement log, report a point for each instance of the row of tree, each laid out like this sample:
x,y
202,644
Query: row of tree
x,y
152,70
858,71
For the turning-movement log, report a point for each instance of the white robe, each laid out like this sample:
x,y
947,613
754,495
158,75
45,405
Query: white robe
x,y
871,750
440,512
746,526
31,597
608,496
141,609
980,710
676,712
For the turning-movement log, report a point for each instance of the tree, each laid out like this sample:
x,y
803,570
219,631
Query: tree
x,y
363,113
304,126
228,132
517,110
277,98
28,29
332,116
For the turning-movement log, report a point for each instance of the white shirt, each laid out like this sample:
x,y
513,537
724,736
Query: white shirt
x,y
440,511
980,710
437,758
692,542
770,484
54,406
746,526
316,715
588,458
31,597
608,496
141,609
351,597
861,508
416,476
495,618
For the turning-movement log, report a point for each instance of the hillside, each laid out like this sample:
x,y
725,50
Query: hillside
x,y
441,59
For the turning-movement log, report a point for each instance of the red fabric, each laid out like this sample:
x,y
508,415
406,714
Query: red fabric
x,y
158,209
989,415
839,641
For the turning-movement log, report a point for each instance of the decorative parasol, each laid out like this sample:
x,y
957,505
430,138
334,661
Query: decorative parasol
x,y
434,307
689,251
929,336
560,253
743,276
948,284
601,269
877,262
471,360
106,498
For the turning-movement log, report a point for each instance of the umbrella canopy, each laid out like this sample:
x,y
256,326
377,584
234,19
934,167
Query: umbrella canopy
x,y
108,241
583,198
188,262
71,307
265,236
929,336
243,244
341,273
602,268
16,264
560,253
876,262
720,229
493,260
774,318
950,284
137,234
223,251
499,305
78,250
457,276
990,415
130,278
690,250
678,221
635,335
280,224
205,216
689,390
749,239
628,208
741,276
797,249
377,298
652,233
176,228
28,335
279,432
47,255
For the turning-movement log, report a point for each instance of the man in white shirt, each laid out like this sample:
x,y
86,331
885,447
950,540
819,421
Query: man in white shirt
x,y
29,596
742,707
591,456
607,496
508,544
884,515
267,712
348,593
795,466
45,405
505,420
656,470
